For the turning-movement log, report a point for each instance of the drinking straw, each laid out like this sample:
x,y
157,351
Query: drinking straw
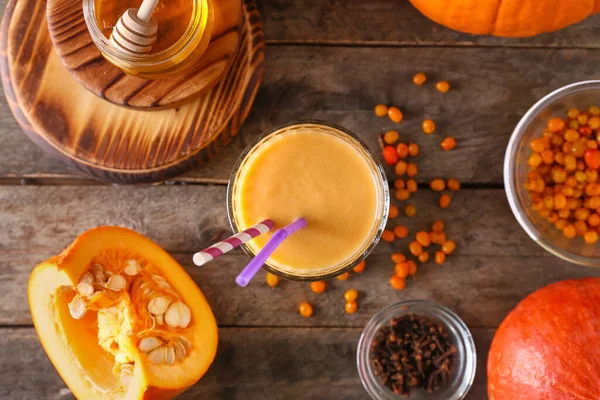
x,y
257,262
222,247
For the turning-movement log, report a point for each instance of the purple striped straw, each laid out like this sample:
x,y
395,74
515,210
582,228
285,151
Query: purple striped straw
x,y
222,247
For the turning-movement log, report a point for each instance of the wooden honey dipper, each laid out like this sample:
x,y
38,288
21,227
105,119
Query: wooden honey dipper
x,y
135,31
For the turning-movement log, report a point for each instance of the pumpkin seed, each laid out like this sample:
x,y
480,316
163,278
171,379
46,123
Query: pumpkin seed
x,y
158,355
87,278
158,305
170,358
178,315
149,343
85,288
132,268
179,351
162,283
159,319
77,307
116,283
185,343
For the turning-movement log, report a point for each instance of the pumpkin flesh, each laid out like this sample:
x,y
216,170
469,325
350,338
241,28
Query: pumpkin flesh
x,y
98,355
509,18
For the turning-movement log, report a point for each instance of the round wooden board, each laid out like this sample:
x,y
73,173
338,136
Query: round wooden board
x,y
107,141
82,58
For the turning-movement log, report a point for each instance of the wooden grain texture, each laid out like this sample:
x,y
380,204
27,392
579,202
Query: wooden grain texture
x,y
251,364
74,45
492,89
63,117
392,22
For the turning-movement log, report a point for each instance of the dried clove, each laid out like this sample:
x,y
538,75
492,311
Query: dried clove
x,y
412,351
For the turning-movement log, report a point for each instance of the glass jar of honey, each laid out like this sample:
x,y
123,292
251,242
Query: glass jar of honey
x,y
184,31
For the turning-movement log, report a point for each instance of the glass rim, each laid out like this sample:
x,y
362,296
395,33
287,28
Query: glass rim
x,y
455,326
379,173
509,172
186,43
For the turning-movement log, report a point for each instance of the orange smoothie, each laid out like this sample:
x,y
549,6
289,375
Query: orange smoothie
x,y
322,175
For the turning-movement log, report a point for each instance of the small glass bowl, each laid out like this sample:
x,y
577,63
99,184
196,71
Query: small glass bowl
x,y
383,198
465,362
580,95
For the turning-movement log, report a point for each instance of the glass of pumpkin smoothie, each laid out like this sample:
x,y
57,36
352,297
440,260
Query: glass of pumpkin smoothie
x,y
322,173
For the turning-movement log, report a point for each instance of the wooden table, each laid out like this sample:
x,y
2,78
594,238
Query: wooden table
x,y
331,60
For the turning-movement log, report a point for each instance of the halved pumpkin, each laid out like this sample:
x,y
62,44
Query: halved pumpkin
x,y
120,319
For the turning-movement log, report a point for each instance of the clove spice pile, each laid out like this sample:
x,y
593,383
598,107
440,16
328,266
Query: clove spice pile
x,y
412,351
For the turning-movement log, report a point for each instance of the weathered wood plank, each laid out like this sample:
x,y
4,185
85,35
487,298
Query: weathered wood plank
x,y
493,87
185,219
251,364
482,290
391,22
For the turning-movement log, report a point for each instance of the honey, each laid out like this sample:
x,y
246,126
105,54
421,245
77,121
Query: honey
x,y
172,16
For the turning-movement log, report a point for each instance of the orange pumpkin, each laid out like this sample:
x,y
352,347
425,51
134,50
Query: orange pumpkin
x,y
511,18
120,319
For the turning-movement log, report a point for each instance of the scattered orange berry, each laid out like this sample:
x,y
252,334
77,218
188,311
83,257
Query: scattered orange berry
x,y
381,110
395,114
399,184
442,86
412,268
413,149
424,257
401,168
440,257
438,237
401,269
391,137
453,184
397,258
360,267
437,185
397,282
411,185
389,155
402,150
415,248
272,279
343,277
402,194
351,307
351,295
438,226
410,210
401,231
318,287
423,238
428,126
419,78
448,143
388,236
448,247
445,200
411,169
305,309
393,213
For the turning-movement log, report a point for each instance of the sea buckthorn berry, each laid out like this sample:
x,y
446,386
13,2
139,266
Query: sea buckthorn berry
x,y
411,185
557,140
360,267
448,143
412,268
560,224
413,149
573,113
556,125
591,175
388,236
393,213
537,145
590,237
548,156
428,126
574,124
305,309
419,78
397,258
397,283
437,237
582,214
549,202
343,277
585,131
559,158
560,201
400,168
351,307
401,231
438,226
272,279
402,150
395,114
534,160
410,210
580,176
448,247
401,269
594,122
594,110
580,227
402,194
442,86
423,238
437,185
592,158
351,295
582,119
571,135
318,287
415,248
391,137
440,257
453,184
570,162
569,231
594,220
423,257
411,169
564,213
389,155
445,201
399,183
381,110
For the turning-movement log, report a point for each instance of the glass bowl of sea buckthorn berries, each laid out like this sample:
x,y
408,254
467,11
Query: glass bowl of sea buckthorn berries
x,y
551,173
